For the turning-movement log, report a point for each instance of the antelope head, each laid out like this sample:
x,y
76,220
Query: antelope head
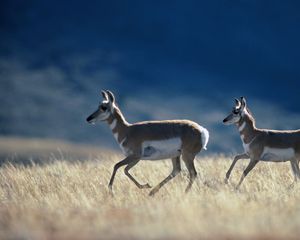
x,y
237,112
105,108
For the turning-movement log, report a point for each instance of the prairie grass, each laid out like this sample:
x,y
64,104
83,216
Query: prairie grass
x,y
70,200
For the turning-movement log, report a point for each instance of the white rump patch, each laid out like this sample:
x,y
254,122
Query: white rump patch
x,y
204,137
161,149
113,124
277,154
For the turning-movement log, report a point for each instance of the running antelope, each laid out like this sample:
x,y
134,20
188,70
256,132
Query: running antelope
x,y
262,144
152,140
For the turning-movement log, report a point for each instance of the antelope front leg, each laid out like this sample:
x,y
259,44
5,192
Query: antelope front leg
x,y
236,158
127,168
126,161
250,166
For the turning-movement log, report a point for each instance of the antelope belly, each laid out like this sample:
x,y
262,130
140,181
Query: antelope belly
x,y
162,149
277,154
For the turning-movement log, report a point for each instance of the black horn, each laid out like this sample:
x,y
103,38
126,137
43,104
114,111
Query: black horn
x,y
110,96
243,101
104,95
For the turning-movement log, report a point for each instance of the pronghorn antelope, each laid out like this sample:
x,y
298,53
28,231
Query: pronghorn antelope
x,y
152,140
262,144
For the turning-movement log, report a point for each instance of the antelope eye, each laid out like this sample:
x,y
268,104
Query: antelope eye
x,y
235,111
103,108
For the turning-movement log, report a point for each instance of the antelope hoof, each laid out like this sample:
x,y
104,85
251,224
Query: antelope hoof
x,y
226,180
152,192
110,191
146,186
291,186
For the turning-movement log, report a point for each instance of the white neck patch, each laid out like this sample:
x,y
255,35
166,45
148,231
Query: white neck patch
x,y
125,149
116,135
241,128
242,137
113,124
121,143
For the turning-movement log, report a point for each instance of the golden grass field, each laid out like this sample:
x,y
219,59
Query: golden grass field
x,y
69,199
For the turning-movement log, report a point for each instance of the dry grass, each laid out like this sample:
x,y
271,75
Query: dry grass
x,y
70,200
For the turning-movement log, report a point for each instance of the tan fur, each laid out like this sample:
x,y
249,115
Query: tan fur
x,y
267,137
256,141
131,137
136,133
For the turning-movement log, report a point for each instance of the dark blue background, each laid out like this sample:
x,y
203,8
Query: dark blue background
x,y
163,59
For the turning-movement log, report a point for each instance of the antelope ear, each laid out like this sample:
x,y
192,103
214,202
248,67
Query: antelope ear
x,y
237,103
111,96
244,103
104,95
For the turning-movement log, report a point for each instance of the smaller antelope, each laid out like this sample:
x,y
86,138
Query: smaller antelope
x,y
262,144
152,140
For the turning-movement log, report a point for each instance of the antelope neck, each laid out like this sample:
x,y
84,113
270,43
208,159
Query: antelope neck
x,y
118,124
247,129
